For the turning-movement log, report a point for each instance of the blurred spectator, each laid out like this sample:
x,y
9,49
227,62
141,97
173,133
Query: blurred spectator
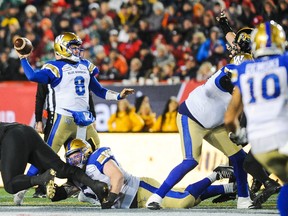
x,y
207,49
45,46
155,19
11,29
197,40
144,110
132,47
99,55
282,11
166,122
144,32
187,11
248,13
94,15
105,25
119,63
169,17
189,69
123,34
135,16
63,25
168,71
122,15
188,30
106,10
163,56
198,11
270,11
113,42
107,71
5,74
31,12
170,30
147,59
134,70
125,119
207,22
155,22
205,70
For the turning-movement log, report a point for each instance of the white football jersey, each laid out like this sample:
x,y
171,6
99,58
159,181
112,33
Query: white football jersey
x,y
208,102
94,169
263,85
71,90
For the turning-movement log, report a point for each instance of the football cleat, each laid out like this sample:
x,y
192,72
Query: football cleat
x,y
271,187
223,172
83,198
224,198
153,203
246,203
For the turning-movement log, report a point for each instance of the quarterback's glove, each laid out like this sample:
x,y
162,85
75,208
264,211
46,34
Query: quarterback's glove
x,y
240,137
223,23
109,201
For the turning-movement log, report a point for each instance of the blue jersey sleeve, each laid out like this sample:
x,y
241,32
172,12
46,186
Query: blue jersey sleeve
x,y
223,80
97,88
41,76
100,157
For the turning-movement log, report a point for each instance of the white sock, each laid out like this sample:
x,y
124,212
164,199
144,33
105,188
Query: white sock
x,y
228,188
212,177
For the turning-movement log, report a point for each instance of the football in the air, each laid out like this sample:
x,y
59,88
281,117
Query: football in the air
x,y
23,45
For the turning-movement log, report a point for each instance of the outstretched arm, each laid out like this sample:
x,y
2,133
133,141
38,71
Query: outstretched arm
x,y
107,94
227,30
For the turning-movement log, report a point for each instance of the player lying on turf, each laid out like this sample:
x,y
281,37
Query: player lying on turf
x,y
128,191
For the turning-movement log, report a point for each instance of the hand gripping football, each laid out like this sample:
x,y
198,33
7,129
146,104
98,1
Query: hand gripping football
x,y
23,45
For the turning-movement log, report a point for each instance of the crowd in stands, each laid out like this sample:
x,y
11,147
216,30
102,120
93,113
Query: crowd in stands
x,y
132,39
141,118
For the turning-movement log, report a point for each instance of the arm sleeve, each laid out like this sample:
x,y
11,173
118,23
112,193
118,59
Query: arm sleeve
x,y
41,93
102,92
41,76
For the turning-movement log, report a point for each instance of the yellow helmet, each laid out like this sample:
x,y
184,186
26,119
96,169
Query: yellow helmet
x,y
268,39
239,58
80,146
63,42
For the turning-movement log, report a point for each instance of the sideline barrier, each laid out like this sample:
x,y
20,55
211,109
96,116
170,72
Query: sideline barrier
x,y
155,155
17,100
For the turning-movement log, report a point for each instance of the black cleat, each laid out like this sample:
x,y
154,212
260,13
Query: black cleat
x,y
154,206
224,198
223,172
255,186
40,192
271,187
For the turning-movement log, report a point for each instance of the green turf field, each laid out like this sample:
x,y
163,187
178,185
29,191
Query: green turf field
x,y
7,200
